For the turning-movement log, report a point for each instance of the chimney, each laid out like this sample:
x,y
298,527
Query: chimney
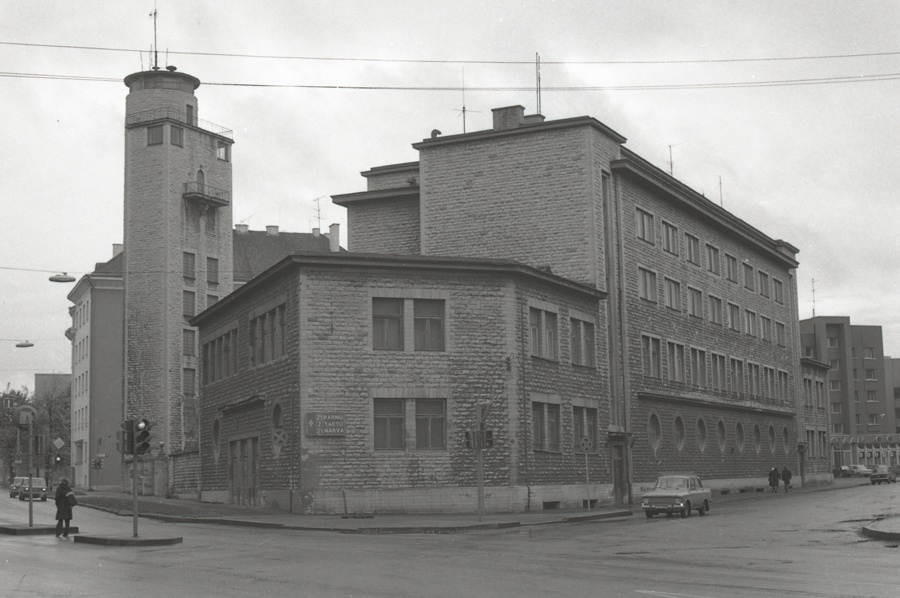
x,y
334,237
534,119
271,229
242,228
316,233
511,117
117,249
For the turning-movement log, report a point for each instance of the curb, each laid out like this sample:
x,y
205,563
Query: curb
x,y
125,541
877,534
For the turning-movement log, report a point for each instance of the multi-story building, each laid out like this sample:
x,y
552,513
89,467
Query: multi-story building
x,y
863,420
696,346
892,388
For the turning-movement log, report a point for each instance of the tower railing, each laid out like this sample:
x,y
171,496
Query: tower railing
x,y
147,116
207,194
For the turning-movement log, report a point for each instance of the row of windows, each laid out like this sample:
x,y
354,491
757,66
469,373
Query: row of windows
x,y
754,280
678,435
546,427
82,314
814,393
190,271
267,336
816,444
752,324
82,349
388,323
220,357
176,137
712,370
544,329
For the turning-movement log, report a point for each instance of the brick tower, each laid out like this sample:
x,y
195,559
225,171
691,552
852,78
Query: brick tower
x,y
178,247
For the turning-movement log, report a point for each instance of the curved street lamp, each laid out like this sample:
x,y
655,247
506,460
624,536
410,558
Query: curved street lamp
x,y
64,277
24,344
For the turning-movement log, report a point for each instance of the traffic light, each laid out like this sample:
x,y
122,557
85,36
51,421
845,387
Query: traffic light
x,y
488,439
58,459
142,436
126,437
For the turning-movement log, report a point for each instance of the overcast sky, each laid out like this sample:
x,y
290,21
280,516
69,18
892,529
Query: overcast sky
x,y
813,162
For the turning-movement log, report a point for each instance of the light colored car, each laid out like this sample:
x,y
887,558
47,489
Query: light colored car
x,y
20,488
677,493
860,470
883,473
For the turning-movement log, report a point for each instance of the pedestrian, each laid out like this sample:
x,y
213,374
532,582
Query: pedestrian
x,y
774,479
65,500
786,478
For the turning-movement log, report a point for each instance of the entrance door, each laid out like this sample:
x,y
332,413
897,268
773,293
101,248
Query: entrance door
x,y
243,471
619,481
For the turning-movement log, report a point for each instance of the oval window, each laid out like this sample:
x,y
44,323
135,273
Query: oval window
x,y
678,433
701,435
216,437
739,436
757,438
654,432
773,439
720,435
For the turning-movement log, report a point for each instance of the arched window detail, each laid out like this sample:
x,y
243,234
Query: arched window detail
x,y
654,432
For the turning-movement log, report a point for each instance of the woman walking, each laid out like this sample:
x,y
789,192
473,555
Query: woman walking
x,y
774,478
65,500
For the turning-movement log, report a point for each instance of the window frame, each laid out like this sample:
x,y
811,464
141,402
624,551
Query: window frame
x,y
648,285
671,240
645,228
672,289
692,250
713,263
651,358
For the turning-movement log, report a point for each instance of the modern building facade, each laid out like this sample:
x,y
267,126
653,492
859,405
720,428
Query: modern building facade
x,y
892,388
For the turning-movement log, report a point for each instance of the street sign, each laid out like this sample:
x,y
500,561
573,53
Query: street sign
x,y
58,443
586,444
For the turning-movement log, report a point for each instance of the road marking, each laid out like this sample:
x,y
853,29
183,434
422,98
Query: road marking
x,y
670,594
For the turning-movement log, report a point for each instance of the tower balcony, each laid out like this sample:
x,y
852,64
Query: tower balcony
x,y
206,195
159,114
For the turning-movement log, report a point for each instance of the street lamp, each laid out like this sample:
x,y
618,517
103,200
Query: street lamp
x,y
24,344
64,277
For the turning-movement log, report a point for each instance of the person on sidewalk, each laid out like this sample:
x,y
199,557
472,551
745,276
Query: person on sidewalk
x,y
774,479
65,500
786,478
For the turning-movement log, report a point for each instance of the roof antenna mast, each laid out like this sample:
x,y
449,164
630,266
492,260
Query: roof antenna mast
x,y
155,49
464,109
537,73
814,296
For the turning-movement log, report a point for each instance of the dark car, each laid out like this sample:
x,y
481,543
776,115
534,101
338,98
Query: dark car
x,y
38,488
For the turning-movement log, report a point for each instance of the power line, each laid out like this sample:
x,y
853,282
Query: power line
x,y
461,61
526,88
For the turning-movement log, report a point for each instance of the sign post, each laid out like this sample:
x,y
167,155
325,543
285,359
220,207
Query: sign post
x,y
481,412
25,415
586,445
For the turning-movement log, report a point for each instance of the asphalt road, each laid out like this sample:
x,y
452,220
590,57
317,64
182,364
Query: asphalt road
x,y
772,545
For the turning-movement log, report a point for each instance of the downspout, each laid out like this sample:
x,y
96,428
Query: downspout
x,y
526,450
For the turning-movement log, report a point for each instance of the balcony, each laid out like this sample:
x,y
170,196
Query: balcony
x,y
148,116
207,195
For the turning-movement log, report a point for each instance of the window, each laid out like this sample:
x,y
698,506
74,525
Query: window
x,y
748,277
543,333
428,323
650,357
734,316
644,225
654,432
769,382
389,429
189,111
188,267
832,342
820,393
753,379
717,369
431,425
868,352
715,310
212,270
188,341
223,151
783,389
837,428
177,136
670,238
675,361
765,328
780,334
712,260
698,367
834,385
693,249
545,426
870,375
837,408
267,336
387,324
188,300
721,436
211,300
695,302
647,284
188,376
220,357
731,271
582,340
701,435
678,433
873,419
773,439
584,420
834,365
853,352
871,397
737,375
779,290
739,436
757,439
673,294
155,135
763,284
749,323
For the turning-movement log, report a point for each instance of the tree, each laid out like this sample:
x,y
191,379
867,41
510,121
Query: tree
x,y
8,429
52,422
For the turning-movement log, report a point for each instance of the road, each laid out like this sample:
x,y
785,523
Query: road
x,y
802,544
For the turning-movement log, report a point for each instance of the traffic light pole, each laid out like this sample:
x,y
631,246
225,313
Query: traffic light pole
x,y
30,473
134,494
479,462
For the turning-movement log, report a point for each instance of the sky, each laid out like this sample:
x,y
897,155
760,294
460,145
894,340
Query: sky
x,y
783,111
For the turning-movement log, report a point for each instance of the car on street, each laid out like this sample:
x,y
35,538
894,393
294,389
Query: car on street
x,y
38,488
860,470
841,471
883,473
676,493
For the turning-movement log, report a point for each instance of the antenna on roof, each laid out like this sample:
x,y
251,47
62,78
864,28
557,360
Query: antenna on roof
x,y
155,49
318,211
814,296
464,110
537,72
720,191
671,163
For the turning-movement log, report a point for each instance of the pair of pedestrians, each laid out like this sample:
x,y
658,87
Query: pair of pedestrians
x,y
776,477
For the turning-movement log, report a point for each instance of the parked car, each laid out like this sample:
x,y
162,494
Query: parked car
x,y
677,493
883,473
38,489
860,470
841,471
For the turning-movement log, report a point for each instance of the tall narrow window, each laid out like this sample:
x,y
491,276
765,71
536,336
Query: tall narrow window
x,y
545,426
223,151
670,238
737,375
715,310
389,430
188,265
650,357
155,135
712,259
647,284
212,270
188,341
431,424
731,268
693,249
698,367
189,301
779,290
748,277
644,223
177,136
695,302
387,324
188,376
675,353
718,371
190,115
428,315
582,337
673,294
544,337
